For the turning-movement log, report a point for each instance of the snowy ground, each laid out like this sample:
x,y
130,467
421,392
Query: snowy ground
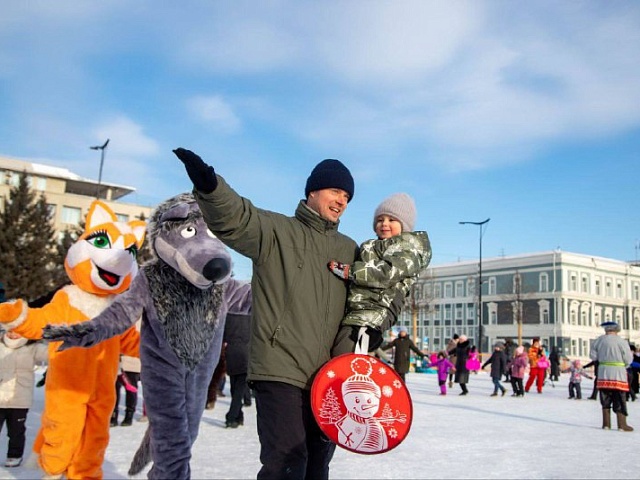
x,y
542,436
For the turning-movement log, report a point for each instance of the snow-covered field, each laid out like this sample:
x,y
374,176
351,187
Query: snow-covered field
x,y
542,436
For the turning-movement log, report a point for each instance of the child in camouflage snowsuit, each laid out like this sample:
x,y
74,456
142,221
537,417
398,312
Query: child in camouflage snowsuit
x,y
382,277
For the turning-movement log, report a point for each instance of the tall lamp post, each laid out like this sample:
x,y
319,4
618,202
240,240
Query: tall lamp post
x,y
480,325
101,148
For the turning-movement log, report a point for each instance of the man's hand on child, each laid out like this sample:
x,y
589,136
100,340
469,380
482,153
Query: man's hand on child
x,y
341,270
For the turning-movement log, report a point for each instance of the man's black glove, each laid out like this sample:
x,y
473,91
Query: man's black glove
x,y
375,337
202,175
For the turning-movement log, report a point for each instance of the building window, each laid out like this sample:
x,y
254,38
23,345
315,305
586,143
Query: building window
x,y
471,312
40,183
471,287
598,287
493,318
573,282
517,283
460,289
636,291
544,282
543,308
585,283
596,317
448,290
122,217
447,313
459,312
619,293
608,288
71,215
437,292
492,286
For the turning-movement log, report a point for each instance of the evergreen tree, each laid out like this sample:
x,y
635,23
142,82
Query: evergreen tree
x,y
28,247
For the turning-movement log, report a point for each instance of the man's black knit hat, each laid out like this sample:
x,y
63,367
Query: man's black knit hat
x,y
330,173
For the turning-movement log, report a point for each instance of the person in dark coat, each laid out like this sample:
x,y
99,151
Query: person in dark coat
x,y
402,353
462,355
237,331
498,362
554,361
509,351
594,364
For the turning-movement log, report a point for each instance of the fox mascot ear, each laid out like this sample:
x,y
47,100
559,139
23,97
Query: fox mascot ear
x,y
103,260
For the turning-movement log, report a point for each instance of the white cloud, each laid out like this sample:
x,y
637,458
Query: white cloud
x,y
127,138
214,111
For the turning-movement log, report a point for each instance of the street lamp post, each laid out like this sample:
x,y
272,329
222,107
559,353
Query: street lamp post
x,y
101,148
480,325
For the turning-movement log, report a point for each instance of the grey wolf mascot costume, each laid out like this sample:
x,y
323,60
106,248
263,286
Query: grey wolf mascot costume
x,y
183,296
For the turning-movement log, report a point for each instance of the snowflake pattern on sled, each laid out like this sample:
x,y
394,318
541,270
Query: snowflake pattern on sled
x,y
361,404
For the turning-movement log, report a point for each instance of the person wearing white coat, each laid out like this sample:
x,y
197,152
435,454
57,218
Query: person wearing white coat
x,y
18,358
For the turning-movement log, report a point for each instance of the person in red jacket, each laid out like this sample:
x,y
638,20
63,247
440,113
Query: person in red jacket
x,y
536,373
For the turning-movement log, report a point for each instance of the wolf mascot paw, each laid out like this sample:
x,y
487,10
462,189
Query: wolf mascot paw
x,y
78,335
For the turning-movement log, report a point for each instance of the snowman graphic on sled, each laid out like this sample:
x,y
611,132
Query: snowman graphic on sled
x,y
361,404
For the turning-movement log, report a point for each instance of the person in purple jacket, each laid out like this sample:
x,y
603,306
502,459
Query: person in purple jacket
x,y
443,365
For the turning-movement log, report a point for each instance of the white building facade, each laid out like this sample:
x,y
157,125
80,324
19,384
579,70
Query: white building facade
x,y
560,297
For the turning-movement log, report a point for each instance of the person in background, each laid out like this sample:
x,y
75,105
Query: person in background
x,y
451,347
216,384
518,368
236,338
443,366
128,379
554,364
402,346
536,373
498,362
634,372
575,379
18,358
381,279
614,356
509,348
594,392
461,352
298,304
473,362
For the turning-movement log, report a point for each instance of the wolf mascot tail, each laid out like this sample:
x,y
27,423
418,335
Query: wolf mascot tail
x,y
142,458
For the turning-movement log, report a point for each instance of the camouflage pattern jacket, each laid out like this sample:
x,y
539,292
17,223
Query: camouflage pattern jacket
x,y
382,278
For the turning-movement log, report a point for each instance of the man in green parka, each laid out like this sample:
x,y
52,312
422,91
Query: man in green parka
x,y
297,304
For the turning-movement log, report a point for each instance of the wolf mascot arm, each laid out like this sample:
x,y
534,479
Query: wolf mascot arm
x,y
119,317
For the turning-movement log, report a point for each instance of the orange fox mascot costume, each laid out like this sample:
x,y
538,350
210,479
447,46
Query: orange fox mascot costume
x,y
80,391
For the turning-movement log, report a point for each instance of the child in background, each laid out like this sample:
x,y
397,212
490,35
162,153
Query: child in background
x,y
576,373
498,362
18,358
443,365
518,368
382,277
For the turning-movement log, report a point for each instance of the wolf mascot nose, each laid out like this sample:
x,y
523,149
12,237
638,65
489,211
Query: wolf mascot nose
x,y
216,269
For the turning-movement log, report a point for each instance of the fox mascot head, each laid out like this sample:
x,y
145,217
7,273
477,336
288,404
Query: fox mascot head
x,y
103,259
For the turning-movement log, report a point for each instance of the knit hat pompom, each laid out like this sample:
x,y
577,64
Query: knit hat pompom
x,y
330,173
400,206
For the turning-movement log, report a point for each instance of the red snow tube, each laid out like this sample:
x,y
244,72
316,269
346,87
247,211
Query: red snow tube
x,y
361,404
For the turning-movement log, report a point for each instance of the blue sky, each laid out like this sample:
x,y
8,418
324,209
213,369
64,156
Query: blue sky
x,y
524,112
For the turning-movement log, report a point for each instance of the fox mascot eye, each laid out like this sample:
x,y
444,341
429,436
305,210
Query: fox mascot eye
x,y
99,240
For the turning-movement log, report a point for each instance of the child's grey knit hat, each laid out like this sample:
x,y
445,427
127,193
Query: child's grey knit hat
x,y
400,206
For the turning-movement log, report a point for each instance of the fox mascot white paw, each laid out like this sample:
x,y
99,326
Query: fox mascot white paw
x,y
80,392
